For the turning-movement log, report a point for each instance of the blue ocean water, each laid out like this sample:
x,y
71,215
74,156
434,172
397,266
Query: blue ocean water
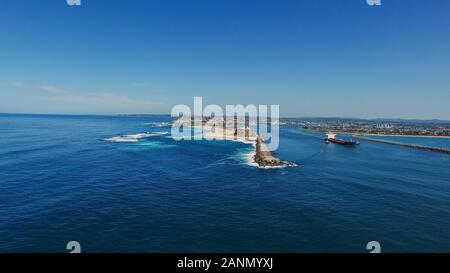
x,y
60,181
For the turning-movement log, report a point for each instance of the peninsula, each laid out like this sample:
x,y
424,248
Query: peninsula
x,y
264,157
228,130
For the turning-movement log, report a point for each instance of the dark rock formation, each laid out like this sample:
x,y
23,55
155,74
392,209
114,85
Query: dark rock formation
x,y
264,157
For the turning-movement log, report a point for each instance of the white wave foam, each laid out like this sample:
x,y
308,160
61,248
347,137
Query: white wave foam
x,y
158,124
251,159
251,162
134,138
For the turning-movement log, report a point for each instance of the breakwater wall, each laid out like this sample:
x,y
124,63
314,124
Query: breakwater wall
x,y
415,146
265,158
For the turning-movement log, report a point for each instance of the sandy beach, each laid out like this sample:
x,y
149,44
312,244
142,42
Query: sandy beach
x,y
217,133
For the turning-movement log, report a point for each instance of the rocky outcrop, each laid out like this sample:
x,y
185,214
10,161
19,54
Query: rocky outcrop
x,y
264,157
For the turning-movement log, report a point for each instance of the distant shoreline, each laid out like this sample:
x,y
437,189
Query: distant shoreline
x,y
386,135
282,119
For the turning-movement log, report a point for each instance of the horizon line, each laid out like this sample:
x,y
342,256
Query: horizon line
x,y
287,117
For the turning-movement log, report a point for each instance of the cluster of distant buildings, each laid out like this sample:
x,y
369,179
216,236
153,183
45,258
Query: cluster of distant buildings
x,y
385,127
228,122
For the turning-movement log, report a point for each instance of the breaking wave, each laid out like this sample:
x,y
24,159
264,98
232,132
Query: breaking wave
x,y
134,138
158,124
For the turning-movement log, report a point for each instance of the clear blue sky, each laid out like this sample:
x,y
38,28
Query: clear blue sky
x,y
313,58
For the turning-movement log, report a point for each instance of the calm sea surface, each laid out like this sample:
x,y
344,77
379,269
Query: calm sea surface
x,y
65,178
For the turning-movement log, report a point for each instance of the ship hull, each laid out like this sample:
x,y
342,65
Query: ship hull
x,y
343,142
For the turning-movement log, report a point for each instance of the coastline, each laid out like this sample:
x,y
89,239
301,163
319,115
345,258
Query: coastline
x,y
387,135
260,157
413,136
415,146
